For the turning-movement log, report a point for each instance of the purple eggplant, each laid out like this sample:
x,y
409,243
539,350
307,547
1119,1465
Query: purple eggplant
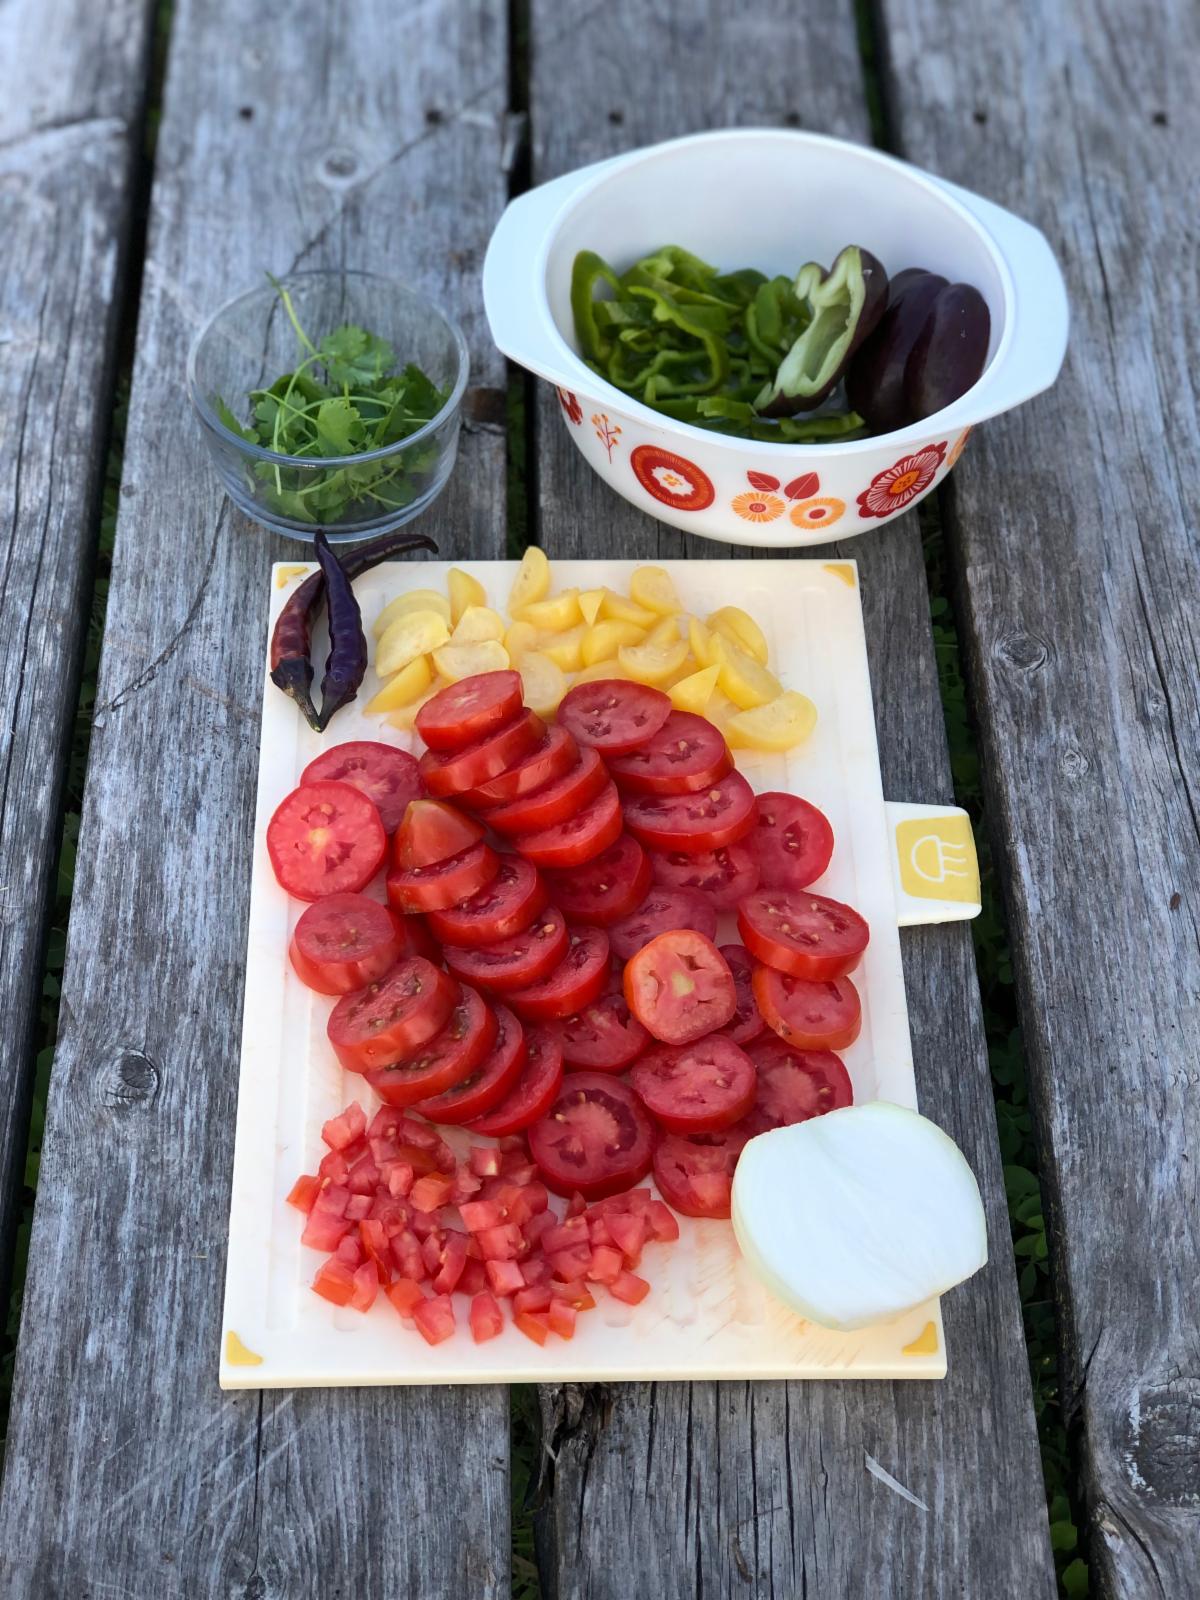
x,y
875,379
949,353
846,303
346,663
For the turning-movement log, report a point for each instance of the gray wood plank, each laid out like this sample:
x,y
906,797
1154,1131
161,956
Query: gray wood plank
x,y
762,1489
69,126
373,138
1074,521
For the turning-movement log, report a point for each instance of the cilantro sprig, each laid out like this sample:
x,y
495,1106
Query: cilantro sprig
x,y
345,396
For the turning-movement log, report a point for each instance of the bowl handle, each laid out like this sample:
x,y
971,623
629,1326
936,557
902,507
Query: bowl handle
x,y
1042,315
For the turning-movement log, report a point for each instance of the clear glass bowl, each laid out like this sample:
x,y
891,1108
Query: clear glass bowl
x,y
249,342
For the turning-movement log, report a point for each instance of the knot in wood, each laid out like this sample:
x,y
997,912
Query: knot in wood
x,y
1162,1449
1074,764
1023,652
131,1080
339,166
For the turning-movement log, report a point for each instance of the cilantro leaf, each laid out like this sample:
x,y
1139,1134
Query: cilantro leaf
x,y
339,428
354,357
232,423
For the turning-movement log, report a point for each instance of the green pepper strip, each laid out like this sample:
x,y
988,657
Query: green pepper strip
x,y
714,347
588,270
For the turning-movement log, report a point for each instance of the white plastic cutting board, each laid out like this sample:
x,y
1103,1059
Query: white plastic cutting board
x,y
706,1316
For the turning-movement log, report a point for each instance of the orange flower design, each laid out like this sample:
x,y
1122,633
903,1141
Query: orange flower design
x,y
818,512
960,444
756,507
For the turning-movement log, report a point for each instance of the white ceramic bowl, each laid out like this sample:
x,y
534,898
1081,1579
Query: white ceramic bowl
x,y
771,200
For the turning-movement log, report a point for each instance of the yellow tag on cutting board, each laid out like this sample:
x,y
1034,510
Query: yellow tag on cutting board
x,y
937,858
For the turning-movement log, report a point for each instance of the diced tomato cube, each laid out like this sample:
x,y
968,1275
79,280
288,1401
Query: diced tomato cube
x,y
454,1259
518,1169
576,1206
534,1325
633,1200
350,1251
565,1234
431,1250
628,1234
334,1166
537,1270
430,1192
334,1282
538,1226
537,1197
324,1230
661,1222
373,1237
504,1277
484,1161
332,1200
346,1127
398,1176
422,1223
304,1191
435,1319
629,1287
511,1142
487,1319
573,1294
474,1253
480,1214
406,1253
474,1278
357,1207
504,1243
561,1318
534,1297
405,1294
606,1264
394,1214
465,1185
571,1264
598,1231
366,1287
364,1175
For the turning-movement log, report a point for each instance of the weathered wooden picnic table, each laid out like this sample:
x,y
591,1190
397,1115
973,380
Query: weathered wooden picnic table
x,y
389,137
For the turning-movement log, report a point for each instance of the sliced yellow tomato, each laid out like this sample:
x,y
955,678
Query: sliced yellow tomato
x,y
455,661
616,607
589,604
543,681
664,632
651,663
566,648
465,591
780,724
476,625
701,641
532,582
740,628
695,691
652,587
609,668
558,612
411,600
521,636
402,689
604,639
405,718
746,681
720,709
415,633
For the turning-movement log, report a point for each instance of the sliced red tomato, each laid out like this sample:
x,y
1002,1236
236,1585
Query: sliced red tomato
x,y
343,942
469,709
695,1174
726,875
556,755
451,772
802,933
579,838
607,887
433,831
662,911
448,1059
533,1092
679,987
325,838
747,1022
508,964
414,938
579,977
553,802
794,1085
491,1080
687,753
595,1140
689,822
502,908
445,883
387,776
392,1017
604,1037
811,1014
792,840
612,715
700,1087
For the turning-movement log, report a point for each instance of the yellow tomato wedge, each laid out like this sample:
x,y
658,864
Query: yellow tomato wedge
x,y
532,582
565,648
407,684
719,710
455,661
664,632
558,612
465,591
411,600
652,587
651,663
746,681
740,628
477,625
405,718
616,607
543,681
414,634
521,636
604,639
701,642
695,691
589,604
609,668
781,724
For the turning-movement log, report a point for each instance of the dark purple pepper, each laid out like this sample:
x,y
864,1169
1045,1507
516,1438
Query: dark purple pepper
x,y
949,353
875,378
346,663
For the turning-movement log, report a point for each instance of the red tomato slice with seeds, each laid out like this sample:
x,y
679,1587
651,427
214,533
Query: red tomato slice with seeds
x,y
387,776
606,888
820,1014
747,1022
662,911
794,1085
802,933
579,977
695,1174
726,875
690,822
502,908
679,987
556,755
687,753
445,883
494,1077
392,1017
433,831
596,1139
507,964
612,715
792,840
553,802
414,938
343,942
604,1037
325,838
448,1059
700,1087
533,1092
453,772
469,710
579,838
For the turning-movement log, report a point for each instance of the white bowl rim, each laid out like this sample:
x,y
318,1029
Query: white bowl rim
x,y
914,433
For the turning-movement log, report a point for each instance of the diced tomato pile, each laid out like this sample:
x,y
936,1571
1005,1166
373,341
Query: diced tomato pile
x,y
553,900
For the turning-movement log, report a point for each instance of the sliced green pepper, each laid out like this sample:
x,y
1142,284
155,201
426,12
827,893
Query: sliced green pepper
x,y
846,303
588,270
713,345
